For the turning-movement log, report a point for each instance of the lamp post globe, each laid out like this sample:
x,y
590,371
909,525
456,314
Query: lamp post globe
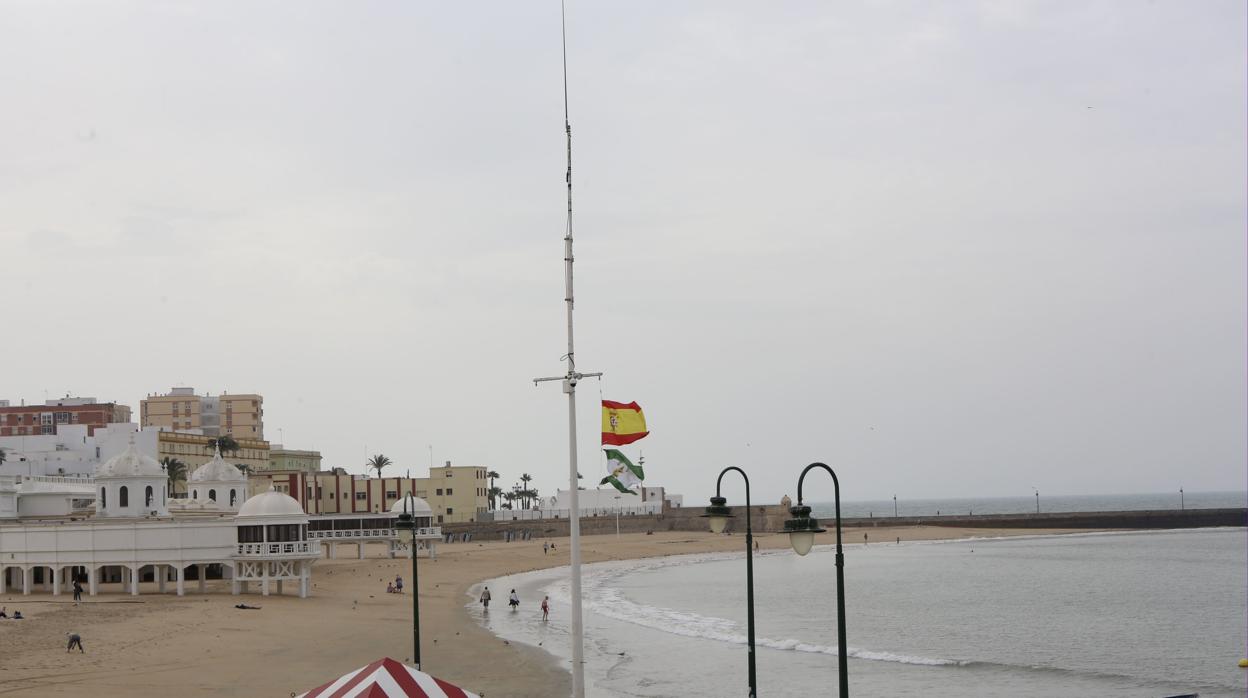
x,y
718,514
801,529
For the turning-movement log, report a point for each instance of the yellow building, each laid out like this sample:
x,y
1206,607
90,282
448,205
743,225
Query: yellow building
x,y
455,493
194,451
291,459
240,416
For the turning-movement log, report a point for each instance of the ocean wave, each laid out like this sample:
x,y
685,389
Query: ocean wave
x,y
602,598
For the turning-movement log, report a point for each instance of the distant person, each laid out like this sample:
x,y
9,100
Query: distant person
x,y
245,607
755,545
864,539
398,584
545,547
546,608
17,615
75,640
898,540
4,612
485,598
514,600
389,587
77,591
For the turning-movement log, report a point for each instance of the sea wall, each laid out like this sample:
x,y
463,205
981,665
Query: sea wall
x,y
770,519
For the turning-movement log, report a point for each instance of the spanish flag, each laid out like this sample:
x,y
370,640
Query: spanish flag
x,y
622,423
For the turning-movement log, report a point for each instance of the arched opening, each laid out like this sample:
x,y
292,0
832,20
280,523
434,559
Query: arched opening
x,y
195,493
123,497
147,496
212,494
103,498
233,497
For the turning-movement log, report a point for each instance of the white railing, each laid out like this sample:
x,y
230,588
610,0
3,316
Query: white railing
x,y
304,547
435,531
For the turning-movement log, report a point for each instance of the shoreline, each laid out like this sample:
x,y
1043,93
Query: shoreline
x,y
141,646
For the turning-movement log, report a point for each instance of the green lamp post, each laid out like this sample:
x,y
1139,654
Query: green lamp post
x,y
717,515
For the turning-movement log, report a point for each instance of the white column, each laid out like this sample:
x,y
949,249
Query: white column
x,y
134,581
264,580
361,544
162,571
93,577
279,587
181,580
304,570
28,580
56,580
333,550
47,579
203,578
4,578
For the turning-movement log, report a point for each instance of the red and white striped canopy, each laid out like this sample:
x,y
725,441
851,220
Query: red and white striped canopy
x,y
386,678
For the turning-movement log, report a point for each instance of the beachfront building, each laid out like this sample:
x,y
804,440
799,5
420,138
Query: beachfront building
x,y
120,528
604,501
50,417
239,415
360,529
455,494
218,485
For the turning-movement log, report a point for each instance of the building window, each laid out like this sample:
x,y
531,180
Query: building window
x,y
392,494
449,491
212,494
123,497
449,511
439,491
233,497
103,498
360,496
195,494
439,518
448,473
147,495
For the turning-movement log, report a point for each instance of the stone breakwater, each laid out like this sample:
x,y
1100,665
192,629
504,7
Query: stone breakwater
x,y
771,518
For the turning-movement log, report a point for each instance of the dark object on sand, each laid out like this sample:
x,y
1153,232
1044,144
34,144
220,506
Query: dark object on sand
x,y
245,607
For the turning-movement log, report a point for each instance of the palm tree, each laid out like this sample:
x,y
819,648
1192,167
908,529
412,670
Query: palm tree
x,y
508,498
524,493
378,462
245,468
226,443
491,474
533,498
494,494
175,470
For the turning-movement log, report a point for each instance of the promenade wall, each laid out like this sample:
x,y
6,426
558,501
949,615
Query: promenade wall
x,y
770,519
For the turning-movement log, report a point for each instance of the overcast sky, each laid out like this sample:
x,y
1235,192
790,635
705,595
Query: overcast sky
x,y
952,249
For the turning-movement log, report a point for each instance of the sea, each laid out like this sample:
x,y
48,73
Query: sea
x,y
1152,613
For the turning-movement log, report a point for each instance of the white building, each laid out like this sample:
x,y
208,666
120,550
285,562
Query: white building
x,y
71,452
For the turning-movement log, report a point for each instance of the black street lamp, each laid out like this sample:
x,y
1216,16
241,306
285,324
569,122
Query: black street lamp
x,y
407,532
717,516
802,529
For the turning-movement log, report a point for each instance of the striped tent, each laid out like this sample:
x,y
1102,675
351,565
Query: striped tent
x,y
386,678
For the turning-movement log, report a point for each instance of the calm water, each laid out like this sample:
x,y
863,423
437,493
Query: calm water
x,y
1124,614
1027,505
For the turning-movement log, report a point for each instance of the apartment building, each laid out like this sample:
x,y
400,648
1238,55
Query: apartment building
x,y
456,494
194,450
43,420
238,415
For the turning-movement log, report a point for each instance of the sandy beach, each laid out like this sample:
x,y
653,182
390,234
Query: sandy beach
x,y
201,644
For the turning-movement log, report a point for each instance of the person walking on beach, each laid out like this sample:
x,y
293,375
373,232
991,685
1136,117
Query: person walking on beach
x,y
485,598
398,584
546,547
77,592
546,608
514,601
74,641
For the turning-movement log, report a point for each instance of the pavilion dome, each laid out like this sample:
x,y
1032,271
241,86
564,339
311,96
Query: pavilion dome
x,y
217,470
130,464
415,506
271,503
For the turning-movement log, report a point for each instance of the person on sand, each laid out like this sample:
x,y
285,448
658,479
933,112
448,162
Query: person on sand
x,y
77,592
546,608
75,640
17,615
390,587
245,607
546,548
514,601
485,598
398,584
4,612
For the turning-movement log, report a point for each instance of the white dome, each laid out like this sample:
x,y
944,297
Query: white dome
x,y
271,503
130,464
217,470
415,506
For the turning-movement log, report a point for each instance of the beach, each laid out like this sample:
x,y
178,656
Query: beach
x,y
202,645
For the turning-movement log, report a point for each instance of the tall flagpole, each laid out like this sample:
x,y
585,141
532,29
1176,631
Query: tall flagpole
x,y
570,380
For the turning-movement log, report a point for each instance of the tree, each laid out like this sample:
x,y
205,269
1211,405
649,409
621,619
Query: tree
x,y
245,468
508,498
378,462
175,470
524,492
491,474
533,498
226,443
494,494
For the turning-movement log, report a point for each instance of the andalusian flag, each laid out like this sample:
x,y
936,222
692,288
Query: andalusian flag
x,y
622,473
622,423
